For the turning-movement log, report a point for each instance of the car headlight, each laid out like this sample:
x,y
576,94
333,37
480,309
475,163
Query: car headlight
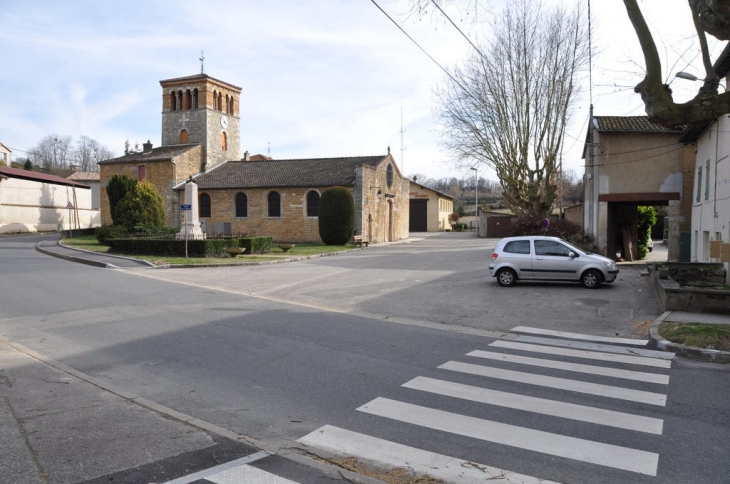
x,y
610,264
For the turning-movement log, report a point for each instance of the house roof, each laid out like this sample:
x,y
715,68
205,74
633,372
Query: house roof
x,y
6,148
442,194
88,176
162,153
310,172
631,124
39,177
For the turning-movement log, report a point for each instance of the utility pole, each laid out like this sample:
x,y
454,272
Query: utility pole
x,y
402,148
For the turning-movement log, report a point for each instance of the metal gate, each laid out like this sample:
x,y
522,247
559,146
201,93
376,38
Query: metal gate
x,y
418,216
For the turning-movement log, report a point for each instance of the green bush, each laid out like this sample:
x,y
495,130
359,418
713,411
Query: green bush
x,y
647,218
141,206
336,216
116,190
196,247
106,232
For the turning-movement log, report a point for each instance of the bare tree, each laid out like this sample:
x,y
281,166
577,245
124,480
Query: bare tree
x,y
55,153
89,152
52,153
508,106
709,16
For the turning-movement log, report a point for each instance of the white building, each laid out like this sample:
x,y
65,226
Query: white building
x,y
36,202
711,191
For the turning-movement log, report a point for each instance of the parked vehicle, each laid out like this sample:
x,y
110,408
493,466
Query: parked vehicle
x,y
548,258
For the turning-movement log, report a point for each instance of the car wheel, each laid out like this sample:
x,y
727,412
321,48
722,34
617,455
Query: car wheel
x,y
506,277
591,279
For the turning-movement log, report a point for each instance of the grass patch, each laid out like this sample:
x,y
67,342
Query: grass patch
x,y
89,242
699,335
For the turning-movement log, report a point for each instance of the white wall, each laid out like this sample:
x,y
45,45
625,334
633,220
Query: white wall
x,y
31,206
711,213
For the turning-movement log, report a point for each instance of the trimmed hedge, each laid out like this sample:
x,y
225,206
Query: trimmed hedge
x,y
196,248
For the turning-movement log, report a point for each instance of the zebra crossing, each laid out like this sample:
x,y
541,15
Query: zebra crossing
x,y
620,364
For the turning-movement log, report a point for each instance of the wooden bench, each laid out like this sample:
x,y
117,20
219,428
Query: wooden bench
x,y
361,241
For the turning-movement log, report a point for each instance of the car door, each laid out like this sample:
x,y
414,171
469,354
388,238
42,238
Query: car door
x,y
552,260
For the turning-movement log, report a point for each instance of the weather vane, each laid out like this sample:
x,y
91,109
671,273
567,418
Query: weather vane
x,y
202,59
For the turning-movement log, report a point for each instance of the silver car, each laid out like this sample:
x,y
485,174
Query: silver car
x,y
548,258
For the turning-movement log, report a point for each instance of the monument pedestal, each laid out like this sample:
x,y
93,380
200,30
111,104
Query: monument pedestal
x,y
190,227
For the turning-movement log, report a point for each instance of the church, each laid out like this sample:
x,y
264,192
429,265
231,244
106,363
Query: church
x,y
253,195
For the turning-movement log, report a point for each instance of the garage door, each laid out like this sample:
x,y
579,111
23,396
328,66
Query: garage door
x,y
418,216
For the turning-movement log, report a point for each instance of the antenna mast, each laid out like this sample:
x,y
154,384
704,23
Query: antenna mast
x,y
402,148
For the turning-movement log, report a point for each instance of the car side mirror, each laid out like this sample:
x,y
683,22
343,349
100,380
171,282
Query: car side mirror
x,y
572,254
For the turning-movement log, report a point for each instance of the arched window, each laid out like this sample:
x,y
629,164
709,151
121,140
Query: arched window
x,y
215,100
224,141
220,101
204,205
188,100
179,99
195,98
313,204
389,176
241,205
274,205
184,137
173,101
227,105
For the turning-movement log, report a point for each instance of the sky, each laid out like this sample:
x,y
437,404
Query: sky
x,y
320,78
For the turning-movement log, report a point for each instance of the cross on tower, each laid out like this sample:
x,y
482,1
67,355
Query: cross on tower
x,y
202,59
184,119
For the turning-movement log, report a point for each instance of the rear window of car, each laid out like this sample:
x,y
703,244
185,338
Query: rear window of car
x,y
517,247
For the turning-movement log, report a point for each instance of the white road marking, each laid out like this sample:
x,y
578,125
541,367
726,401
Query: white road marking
x,y
591,355
587,337
206,473
620,350
576,367
609,455
345,443
248,475
560,383
539,405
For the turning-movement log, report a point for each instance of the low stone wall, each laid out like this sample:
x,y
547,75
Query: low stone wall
x,y
676,297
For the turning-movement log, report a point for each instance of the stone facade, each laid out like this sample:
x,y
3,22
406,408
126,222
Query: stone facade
x,y
208,110
380,218
163,173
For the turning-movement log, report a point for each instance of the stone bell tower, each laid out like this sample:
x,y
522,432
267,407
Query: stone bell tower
x,y
202,110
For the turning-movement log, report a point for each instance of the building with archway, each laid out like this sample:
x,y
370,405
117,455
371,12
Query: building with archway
x,y
253,195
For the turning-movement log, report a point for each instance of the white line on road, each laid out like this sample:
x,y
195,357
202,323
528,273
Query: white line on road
x,y
542,406
609,455
619,350
587,337
345,443
576,367
559,383
591,355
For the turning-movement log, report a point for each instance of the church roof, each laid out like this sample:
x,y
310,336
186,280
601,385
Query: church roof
x,y
196,77
163,153
311,172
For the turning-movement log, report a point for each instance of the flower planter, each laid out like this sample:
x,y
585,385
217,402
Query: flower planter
x,y
286,247
234,251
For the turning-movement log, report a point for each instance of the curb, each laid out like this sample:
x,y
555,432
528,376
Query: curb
x,y
690,352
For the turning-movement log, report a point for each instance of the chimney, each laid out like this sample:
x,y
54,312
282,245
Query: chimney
x,y
147,147
74,168
246,156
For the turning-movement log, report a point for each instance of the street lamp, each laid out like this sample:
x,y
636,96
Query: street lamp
x,y
686,75
476,196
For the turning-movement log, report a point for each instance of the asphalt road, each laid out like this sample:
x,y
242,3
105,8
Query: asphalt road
x,y
280,352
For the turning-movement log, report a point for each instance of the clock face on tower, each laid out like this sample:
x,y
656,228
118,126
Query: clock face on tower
x,y
224,122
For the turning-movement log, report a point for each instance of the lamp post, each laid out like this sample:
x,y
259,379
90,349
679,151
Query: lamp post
x,y
476,196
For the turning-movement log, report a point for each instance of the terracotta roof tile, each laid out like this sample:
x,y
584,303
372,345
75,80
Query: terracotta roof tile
x,y
631,124
82,176
312,172
163,153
